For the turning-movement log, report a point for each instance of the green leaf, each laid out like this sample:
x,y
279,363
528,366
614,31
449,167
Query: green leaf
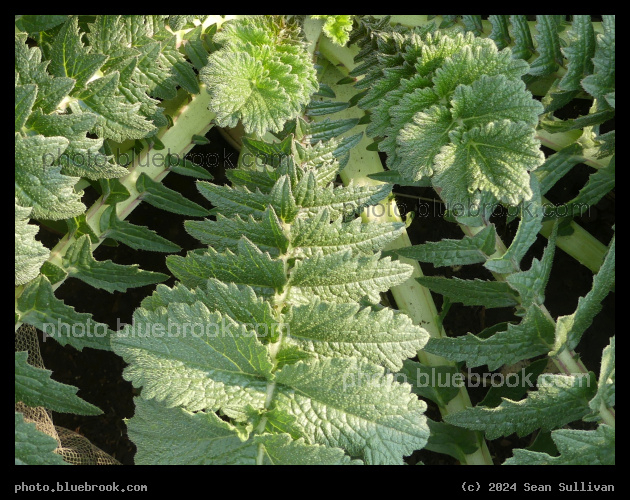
x,y
319,108
599,184
136,237
24,99
421,140
605,397
500,31
531,337
69,58
159,196
243,306
481,57
249,266
39,307
30,69
79,263
376,418
337,28
30,254
116,119
494,98
495,158
560,399
347,330
549,45
576,448
33,24
83,156
325,91
33,447
34,387
579,52
469,250
319,234
602,82
354,277
174,436
225,233
557,165
280,449
327,129
264,84
182,166
195,49
53,273
569,329
78,226
212,364
339,200
523,43
472,292
531,284
113,191
40,185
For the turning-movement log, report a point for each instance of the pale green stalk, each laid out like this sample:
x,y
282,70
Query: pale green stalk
x,y
411,297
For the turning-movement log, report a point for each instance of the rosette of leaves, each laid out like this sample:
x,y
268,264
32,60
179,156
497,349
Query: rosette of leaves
x,y
262,75
89,79
288,365
83,86
453,108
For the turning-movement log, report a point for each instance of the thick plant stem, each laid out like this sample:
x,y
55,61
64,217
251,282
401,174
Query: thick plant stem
x,y
411,298
193,119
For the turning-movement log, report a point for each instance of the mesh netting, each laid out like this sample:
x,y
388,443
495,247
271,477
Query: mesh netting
x,y
72,447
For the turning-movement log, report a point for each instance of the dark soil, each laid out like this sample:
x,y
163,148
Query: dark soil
x,y
98,374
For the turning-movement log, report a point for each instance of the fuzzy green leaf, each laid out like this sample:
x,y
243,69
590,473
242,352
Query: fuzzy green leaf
x,y
569,329
576,448
531,337
605,396
30,254
469,250
337,28
83,156
472,292
40,185
352,405
158,195
174,436
560,399
69,58
39,307
24,99
136,237
225,233
602,82
579,52
495,158
549,45
263,84
186,355
315,234
353,277
345,330
34,387
33,447
531,284
249,266
79,263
